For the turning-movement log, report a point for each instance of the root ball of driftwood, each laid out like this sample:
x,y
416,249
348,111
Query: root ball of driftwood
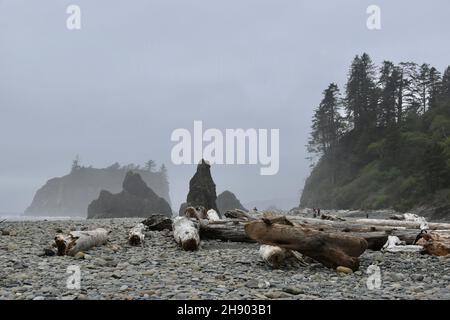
x,y
186,233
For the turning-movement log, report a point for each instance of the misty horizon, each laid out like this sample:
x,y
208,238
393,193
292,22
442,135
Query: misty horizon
x,y
115,90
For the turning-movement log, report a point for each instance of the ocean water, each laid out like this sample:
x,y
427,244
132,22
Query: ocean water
x,y
20,217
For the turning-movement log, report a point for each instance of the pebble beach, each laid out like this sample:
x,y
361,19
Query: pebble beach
x,y
218,270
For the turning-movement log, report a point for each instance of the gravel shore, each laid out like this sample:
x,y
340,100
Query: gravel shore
x,y
219,270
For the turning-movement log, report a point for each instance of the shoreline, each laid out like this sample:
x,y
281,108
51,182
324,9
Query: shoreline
x,y
219,270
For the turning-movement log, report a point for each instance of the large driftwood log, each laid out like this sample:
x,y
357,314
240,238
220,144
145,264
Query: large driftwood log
x,y
223,230
330,249
234,231
406,224
186,233
377,239
77,241
435,243
136,235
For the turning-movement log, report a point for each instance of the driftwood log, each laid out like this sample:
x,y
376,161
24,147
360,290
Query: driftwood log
x,y
77,241
158,222
395,245
223,230
136,235
330,249
212,215
234,230
435,243
186,233
276,256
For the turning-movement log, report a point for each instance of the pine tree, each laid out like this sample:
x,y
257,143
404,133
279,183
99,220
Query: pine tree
x,y
76,163
361,94
434,87
410,94
445,86
150,165
389,84
327,122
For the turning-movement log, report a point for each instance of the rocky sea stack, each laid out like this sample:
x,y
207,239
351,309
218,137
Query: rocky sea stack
x,y
228,201
70,195
202,189
136,200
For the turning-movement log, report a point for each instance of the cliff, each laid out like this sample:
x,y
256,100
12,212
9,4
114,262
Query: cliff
x,y
71,194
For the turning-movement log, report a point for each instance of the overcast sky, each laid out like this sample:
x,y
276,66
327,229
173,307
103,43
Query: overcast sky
x,y
116,89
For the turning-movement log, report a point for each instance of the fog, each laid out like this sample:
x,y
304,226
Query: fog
x,y
137,70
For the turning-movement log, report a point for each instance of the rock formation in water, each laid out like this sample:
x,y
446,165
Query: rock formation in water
x,y
136,200
228,201
202,189
71,194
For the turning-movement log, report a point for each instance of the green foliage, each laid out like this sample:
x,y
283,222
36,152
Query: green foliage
x,y
395,152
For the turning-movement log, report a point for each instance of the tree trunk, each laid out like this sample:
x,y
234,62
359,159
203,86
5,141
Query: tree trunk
x,y
330,249
186,233
224,230
77,241
435,243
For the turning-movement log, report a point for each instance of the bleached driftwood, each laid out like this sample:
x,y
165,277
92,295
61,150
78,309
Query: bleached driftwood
x,y
195,213
186,233
275,256
136,235
406,224
77,241
212,215
417,219
394,244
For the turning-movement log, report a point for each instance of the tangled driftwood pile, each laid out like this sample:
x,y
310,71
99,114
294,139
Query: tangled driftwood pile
x,y
332,242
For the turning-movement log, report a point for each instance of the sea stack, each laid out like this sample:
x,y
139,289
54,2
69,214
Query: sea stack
x,y
202,189
228,201
136,200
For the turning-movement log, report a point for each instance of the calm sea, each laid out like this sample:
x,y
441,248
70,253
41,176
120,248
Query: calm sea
x,y
20,217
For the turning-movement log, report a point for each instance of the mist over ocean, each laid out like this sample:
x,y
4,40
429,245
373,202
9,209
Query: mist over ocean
x,y
21,217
